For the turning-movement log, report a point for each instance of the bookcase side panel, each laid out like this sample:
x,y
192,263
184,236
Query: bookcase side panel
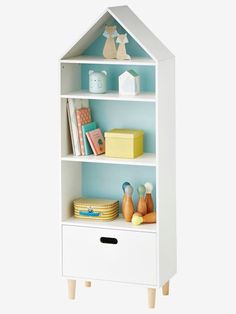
x,y
70,187
166,170
70,77
66,146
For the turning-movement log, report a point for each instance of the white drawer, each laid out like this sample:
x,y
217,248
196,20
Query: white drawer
x,y
132,259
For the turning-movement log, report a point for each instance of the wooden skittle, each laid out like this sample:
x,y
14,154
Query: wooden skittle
x,y
148,198
147,219
141,206
124,197
128,210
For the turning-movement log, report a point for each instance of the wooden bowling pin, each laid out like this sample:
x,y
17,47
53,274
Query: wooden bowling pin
x,y
146,219
128,205
141,207
148,198
124,197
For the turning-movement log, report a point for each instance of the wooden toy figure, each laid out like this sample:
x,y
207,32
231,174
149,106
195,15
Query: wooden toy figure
x,y
109,50
148,198
148,219
124,197
141,207
121,52
128,205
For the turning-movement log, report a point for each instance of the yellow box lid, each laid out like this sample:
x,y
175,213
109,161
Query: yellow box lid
x,y
124,133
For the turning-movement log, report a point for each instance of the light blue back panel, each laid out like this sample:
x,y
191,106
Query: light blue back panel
x,y
121,114
105,181
146,73
132,48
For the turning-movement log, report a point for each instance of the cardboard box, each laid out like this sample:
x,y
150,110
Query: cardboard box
x,y
124,143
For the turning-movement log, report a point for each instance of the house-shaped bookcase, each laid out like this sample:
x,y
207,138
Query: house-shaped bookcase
x,y
152,110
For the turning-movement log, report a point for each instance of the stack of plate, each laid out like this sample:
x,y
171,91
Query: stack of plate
x,y
96,209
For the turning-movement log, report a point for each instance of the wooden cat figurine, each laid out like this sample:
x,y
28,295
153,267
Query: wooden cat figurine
x,y
109,50
121,52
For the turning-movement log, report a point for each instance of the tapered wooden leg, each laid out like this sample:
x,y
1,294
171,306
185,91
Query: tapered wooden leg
x,y
71,288
151,297
87,284
165,288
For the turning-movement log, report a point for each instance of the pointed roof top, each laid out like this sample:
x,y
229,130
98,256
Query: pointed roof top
x,y
131,72
139,31
132,24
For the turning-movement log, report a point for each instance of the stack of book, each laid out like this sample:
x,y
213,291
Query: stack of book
x,y
86,138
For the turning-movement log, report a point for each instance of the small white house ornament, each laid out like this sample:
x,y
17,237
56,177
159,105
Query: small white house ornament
x,y
129,83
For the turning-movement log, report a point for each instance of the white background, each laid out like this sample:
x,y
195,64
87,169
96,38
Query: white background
x,y
34,35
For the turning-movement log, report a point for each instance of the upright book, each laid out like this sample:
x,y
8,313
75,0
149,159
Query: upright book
x,y
83,117
72,106
96,141
87,128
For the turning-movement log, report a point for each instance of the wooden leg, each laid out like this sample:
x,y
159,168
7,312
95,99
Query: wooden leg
x,y
165,288
87,284
71,288
151,297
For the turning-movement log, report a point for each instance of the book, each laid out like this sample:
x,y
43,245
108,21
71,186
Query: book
x,y
71,129
96,141
86,128
72,106
83,117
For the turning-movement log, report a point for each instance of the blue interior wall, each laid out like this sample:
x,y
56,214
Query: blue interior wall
x,y
105,180
132,48
146,73
125,114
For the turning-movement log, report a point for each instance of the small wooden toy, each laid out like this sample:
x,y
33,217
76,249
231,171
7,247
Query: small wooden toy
x,y
109,50
128,210
148,218
97,82
148,198
141,207
121,52
129,83
124,197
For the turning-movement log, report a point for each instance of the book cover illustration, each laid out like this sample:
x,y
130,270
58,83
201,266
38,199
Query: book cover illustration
x,y
96,141
83,117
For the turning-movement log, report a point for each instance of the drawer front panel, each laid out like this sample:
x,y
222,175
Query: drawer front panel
x,y
109,255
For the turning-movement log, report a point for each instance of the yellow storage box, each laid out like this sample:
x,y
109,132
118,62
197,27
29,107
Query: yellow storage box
x,y
124,143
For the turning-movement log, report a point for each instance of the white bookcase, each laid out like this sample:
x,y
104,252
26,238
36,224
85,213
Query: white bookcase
x,y
153,110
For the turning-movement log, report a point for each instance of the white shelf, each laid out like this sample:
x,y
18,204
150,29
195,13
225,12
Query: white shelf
x,y
117,224
101,60
147,159
111,95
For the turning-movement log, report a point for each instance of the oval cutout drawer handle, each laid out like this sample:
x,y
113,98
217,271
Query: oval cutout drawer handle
x,y
108,240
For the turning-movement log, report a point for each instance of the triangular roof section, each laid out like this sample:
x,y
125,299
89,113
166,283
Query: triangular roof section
x,y
132,24
130,72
